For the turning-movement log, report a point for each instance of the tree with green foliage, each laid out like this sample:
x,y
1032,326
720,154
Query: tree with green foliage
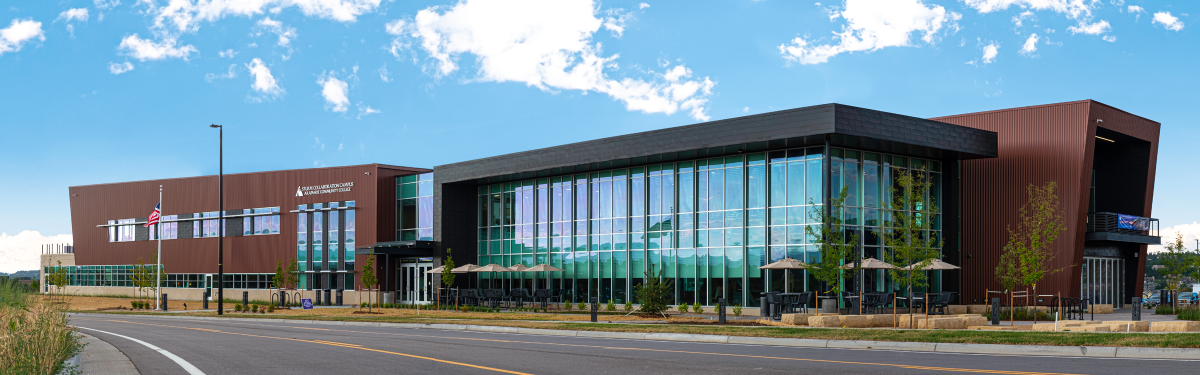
x,y
141,278
368,279
1177,262
448,270
1029,255
653,293
154,280
835,242
277,282
913,213
59,279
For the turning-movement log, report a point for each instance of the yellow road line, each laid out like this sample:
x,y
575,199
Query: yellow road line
x,y
323,342
948,369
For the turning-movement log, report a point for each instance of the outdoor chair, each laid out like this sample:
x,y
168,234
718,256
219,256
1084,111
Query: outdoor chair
x,y
519,296
917,301
943,302
803,301
851,300
543,296
775,305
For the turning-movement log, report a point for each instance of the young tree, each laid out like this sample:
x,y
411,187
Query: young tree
x,y
140,278
368,278
280,276
653,292
1176,263
835,242
447,275
913,214
292,276
59,279
1028,257
154,280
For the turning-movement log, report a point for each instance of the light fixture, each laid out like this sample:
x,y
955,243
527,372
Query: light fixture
x,y
1106,139
1099,121
367,173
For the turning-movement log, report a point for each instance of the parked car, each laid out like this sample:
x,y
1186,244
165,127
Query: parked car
x,y
1153,301
1187,298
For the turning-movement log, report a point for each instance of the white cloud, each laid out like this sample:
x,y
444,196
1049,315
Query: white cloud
x,y
264,82
643,6
115,68
1168,21
363,110
185,16
1189,232
545,44
1030,44
1073,8
383,74
615,19
1136,9
989,53
335,91
1018,19
102,4
286,34
1096,28
745,109
872,25
341,145
229,53
1109,38
13,37
231,73
145,49
23,251
73,14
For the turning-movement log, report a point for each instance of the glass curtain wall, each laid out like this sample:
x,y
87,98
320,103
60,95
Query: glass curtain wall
x,y
708,224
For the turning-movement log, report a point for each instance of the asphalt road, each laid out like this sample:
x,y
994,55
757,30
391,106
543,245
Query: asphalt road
x,y
240,347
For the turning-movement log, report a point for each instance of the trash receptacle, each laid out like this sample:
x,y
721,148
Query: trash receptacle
x,y
164,302
245,299
328,301
339,297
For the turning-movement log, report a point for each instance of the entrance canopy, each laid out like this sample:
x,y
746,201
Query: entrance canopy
x,y
401,248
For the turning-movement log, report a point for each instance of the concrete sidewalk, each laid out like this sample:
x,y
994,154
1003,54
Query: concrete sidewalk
x,y
996,349
100,357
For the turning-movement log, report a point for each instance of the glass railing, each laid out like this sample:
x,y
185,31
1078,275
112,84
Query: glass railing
x,y
1121,223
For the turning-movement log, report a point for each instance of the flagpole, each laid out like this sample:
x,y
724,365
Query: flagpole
x,y
158,270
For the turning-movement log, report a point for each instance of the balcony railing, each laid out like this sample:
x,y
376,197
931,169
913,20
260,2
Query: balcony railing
x,y
1120,223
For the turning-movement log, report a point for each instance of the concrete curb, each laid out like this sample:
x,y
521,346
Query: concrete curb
x,y
997,349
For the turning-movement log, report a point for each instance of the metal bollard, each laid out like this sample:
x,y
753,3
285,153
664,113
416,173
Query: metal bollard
x,y
721,310
245,299
318,293
204,298
339,297
995,311
595,306
164,302
1137,309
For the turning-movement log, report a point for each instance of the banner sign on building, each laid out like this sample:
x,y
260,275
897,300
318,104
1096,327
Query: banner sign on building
x,y
345,187
1132,222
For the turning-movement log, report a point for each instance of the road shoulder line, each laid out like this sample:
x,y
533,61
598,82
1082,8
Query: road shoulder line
x,y
180,361
999,349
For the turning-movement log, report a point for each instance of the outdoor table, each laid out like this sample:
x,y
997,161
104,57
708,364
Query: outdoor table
x,y
519,296
543,295
790,301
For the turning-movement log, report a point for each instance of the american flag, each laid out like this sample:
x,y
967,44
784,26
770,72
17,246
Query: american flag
x,y
153,219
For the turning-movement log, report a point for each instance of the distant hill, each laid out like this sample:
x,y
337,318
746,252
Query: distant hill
x,y
28,273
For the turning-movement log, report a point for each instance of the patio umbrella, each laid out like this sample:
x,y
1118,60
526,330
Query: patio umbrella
x,y
436,270
935,265
785,264
871,264
464,269
492,268
544,268
518,268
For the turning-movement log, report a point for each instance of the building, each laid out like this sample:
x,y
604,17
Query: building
x,y
706,204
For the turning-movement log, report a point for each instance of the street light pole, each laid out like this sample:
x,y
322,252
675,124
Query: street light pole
x,y
220,218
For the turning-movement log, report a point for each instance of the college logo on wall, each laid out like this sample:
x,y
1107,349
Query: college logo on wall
x,y
324,189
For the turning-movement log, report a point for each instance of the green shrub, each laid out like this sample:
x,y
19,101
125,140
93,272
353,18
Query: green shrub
x,y
254,308
697,308
737,310
628,306
237,307
1163,310
582,306
683,308
567,306
362,305
611,306
270,308
133,304
1189,314
34,335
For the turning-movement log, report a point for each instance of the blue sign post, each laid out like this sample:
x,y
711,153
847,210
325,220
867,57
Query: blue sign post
x,y
307,302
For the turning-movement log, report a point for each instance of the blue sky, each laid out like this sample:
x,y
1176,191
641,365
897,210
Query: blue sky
x,y
107,91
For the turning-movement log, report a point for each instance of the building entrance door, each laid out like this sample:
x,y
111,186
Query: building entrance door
x,y
415,284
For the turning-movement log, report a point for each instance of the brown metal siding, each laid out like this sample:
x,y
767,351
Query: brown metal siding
x,y
1037,144
96,204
